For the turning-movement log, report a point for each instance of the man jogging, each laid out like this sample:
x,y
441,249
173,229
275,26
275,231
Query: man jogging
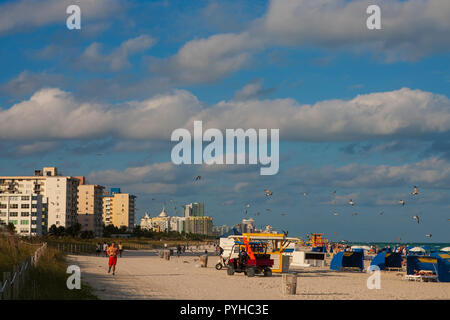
x,y
112,253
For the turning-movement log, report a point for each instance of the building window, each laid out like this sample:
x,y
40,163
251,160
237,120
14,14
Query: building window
x,y
25,206
13,214
24,214
22,222
14,206
25,198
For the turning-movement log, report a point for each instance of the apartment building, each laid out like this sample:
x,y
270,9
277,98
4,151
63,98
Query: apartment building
x,y
199,225
195,209
24,211
90,207
59,195
119,209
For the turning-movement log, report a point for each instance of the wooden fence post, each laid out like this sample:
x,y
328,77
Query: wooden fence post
x,y
289,283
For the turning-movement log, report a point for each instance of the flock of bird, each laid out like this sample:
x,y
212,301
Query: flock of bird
x,y
269,193
415,192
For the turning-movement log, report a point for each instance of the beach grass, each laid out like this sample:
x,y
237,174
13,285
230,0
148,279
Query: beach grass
x,y
47,280
13,252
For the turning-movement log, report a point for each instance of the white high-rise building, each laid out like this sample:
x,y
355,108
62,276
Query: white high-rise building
x,y
59,195
24,211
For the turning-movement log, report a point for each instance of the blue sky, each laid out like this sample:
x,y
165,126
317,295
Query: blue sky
x,y
363,112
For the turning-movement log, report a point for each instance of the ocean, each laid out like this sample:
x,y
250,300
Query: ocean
x,y
431,245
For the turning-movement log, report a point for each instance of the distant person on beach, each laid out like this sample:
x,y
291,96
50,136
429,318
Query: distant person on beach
x,y
112,252
105,247
184,249
120,249
98,249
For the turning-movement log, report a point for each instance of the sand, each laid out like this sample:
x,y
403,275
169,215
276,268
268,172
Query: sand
x,y
143,275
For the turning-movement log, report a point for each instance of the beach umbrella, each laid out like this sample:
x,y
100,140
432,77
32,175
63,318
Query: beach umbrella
x,y
446,249
417,249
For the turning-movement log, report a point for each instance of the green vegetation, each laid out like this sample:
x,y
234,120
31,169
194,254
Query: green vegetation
x,y
138,233
138,239
13,252
48,280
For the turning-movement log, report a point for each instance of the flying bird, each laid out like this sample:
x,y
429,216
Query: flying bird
x,y
247,205
351,202
381,213
416,218
429,235
267,209
336,214
305,194
402,202
415,192
268,192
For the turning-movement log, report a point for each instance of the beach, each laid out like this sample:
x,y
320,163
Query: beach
x,y
142,274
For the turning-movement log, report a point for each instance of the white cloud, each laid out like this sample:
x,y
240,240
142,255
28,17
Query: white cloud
x,y
55,114
52,113
410,30
27,82
157,172
206,60
252,90
92,58
399,113
430,172
25,14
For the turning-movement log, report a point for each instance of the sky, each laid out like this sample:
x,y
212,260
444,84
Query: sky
x,y
362,114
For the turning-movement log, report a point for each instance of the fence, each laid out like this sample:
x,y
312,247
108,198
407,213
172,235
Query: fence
x,y
15,281
74,248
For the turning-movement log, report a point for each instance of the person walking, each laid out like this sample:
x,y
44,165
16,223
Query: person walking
x,y
105,247
120,249
112,252
98,249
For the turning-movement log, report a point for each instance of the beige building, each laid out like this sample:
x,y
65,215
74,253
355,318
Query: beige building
x,y
199,225
90,208
119,210
161,223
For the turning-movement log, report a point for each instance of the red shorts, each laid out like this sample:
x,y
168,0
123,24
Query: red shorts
x,y
112,261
